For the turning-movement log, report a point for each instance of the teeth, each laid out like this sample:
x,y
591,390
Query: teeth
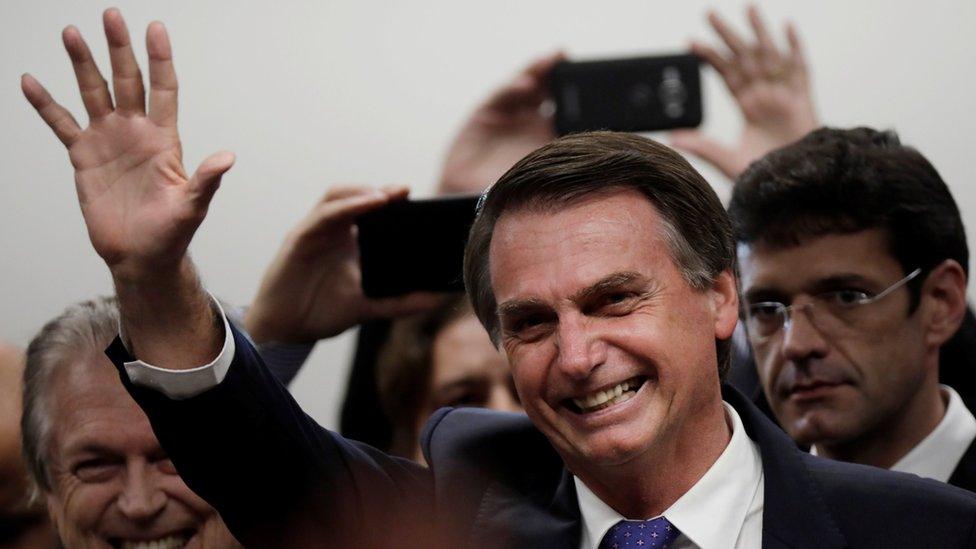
x,y
602,399
171,542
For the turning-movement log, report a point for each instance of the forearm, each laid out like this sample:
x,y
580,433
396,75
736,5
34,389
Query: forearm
x,y
167,318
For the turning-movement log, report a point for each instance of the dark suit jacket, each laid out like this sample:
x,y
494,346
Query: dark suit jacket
x,y
278,479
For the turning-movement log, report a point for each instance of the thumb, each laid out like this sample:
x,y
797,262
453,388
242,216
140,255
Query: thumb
x,y
206,179
708,149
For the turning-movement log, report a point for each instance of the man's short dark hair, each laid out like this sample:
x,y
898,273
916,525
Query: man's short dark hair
x,y
836,181
696,227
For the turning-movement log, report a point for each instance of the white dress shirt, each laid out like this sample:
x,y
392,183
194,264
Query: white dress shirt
x,y
181,384
938,455
723,510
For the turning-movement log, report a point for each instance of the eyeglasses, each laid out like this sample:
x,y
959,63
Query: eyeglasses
x,y
831,312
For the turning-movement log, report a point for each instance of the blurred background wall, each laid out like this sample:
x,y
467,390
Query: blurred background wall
x,y
310,94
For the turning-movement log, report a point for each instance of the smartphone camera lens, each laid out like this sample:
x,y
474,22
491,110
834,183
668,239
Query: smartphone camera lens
x,y
672,92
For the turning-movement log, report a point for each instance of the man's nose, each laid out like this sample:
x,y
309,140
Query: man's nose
x,y
142,499
803,339
580,350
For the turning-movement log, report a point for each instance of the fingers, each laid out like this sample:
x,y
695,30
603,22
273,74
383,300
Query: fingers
x,y
541,67
767,48
54,115
162,76
94,90
527,90
707,149
797,57
130,95
206,180
726,69
731,39
393,192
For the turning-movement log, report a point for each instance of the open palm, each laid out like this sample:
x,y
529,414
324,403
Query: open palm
x,y
770,87
139,205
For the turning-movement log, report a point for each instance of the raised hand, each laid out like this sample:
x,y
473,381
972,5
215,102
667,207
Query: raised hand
x,y
771,88
139,205
507,126
312,288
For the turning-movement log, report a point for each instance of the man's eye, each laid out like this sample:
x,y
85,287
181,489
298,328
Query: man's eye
x,y
765,312
166,466
97,470
844,297
616,302
529,327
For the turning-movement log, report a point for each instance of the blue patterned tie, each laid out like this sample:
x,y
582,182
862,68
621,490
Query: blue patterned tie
x,y
640,534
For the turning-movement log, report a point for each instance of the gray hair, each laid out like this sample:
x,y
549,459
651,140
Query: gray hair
x,y
88,326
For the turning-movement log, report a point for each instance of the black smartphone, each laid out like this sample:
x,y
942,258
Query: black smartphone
x,y
412,245
632,95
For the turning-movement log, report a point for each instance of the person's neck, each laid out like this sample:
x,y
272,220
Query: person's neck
x,y
892,439
648,485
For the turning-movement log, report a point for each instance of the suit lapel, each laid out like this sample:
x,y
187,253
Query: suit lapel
x,y
511,518
794,512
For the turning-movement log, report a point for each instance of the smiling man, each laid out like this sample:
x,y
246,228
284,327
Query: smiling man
x,y
854,266
91,452
603,263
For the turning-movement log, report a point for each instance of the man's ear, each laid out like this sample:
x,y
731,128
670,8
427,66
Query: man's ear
x,y
942,302
725,304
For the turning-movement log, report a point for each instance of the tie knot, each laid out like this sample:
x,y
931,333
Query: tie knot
x,y
640,534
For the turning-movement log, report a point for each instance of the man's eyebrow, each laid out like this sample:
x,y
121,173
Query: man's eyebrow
x,y
614,281
759,294
517,307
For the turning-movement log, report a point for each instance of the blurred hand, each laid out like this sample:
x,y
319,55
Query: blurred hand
x,y
503,129
139,205
771,88
312,288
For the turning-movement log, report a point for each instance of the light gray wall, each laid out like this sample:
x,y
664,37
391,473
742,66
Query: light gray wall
x,y
310,94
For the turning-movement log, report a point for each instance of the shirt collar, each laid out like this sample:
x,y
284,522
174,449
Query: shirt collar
x,y
938,455
711,513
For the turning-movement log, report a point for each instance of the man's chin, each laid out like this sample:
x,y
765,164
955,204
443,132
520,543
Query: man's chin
x,y
815,428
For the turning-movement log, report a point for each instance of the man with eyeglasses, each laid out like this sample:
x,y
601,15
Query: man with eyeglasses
x,y
854,264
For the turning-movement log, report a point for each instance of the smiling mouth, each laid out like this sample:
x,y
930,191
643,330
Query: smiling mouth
x,y
599,400
172,541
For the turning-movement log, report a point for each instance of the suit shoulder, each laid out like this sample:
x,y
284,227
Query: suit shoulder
x,y
860,496
483,438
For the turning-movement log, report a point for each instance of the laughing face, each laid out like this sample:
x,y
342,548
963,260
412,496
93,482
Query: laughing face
x,y
612,351
111,484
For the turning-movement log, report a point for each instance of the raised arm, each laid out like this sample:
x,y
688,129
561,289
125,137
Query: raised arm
x,y
771,88
139,204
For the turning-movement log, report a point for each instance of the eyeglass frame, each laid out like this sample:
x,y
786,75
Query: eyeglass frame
x,y
785,311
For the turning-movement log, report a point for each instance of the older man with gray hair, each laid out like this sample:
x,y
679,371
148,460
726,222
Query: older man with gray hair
x,y
91,452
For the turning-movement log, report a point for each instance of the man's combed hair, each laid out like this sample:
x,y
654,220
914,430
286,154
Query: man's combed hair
x,y
85,328
837,181
696,227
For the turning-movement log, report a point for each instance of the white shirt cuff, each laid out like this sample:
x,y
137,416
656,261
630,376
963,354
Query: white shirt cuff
x,y
182,384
